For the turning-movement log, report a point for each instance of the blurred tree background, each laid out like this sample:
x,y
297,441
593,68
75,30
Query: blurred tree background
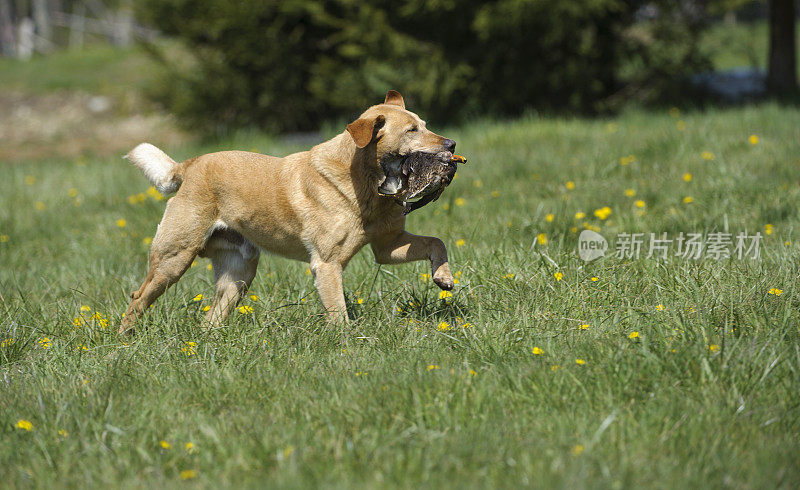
x,y
291,65
287,65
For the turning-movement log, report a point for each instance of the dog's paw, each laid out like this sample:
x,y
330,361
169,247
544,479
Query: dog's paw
x,y
444,282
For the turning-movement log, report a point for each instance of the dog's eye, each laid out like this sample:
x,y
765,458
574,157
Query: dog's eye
x,y
412,129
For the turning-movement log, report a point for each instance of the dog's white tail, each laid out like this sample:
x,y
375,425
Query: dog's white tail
x,y
157,166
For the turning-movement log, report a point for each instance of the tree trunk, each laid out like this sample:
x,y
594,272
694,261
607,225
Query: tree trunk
x,y
44,31
8,42
77,25
782,74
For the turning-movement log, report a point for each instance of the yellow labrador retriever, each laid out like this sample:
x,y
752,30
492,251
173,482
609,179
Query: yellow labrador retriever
x,y
320,206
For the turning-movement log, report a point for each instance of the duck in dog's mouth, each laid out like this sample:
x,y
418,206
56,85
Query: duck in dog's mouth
x,y
418,178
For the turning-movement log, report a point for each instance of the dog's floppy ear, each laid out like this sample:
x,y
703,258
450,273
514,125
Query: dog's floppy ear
x,y
393,97
363,129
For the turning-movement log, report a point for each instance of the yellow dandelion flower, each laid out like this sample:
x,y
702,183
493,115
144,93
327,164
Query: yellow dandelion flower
x,y
188,474
583,326
477,183
688,200
24,425
577,450
603,213
424,276
753,139
570,185
460,201
4,238
44,342
630,192
206,307
121,223
537,351
443,327
147,240
466,325
768,229
254,297
445,295
198,298
495,193
776,291
39,206
633,335
594,279
210,267
7,343
713,347
580,362
153,192
360,301
549,217
188,348
62,433
580,215
165,445
660,307
432,367
707,155
541,238
190,447
472,372
558,276
245,309
638,203
460,242
555,367
687,177
72,192
509,276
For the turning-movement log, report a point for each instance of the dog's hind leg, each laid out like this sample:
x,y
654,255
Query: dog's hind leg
x,y
235,261
179,238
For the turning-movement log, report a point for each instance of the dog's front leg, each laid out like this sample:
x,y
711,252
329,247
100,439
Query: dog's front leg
x,y
406,247
328,280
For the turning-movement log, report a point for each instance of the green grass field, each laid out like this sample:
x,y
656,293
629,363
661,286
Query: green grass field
x,y
529,375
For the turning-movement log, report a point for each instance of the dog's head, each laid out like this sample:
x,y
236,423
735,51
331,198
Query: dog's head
x,y
396,135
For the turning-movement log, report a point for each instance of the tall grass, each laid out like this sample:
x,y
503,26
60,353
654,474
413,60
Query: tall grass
x,y
481,389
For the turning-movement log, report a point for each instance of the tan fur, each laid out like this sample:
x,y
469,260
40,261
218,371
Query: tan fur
x,y
320,206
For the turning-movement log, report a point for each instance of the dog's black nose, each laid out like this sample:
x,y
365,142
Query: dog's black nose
x,y
449,145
